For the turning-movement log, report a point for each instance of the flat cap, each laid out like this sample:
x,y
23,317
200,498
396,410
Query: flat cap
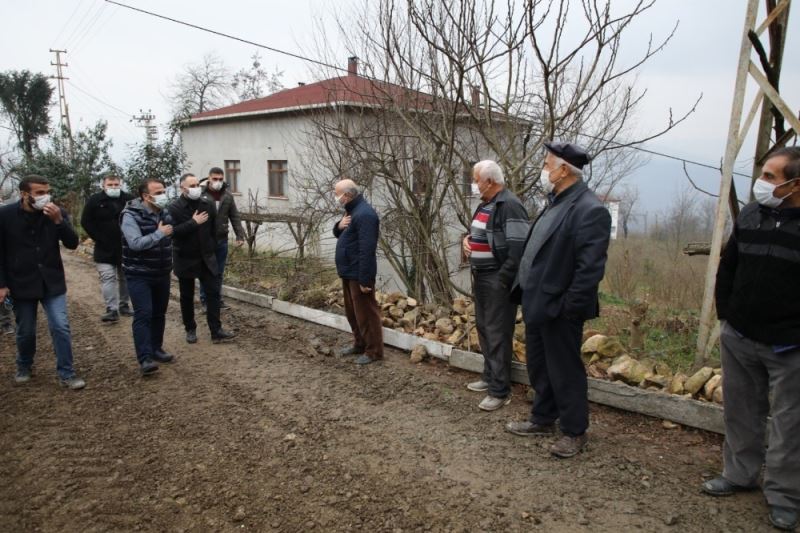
x,y
571,153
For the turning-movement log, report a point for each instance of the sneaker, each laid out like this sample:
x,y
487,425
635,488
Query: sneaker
x,y
160,356
364,359
125,310
23,375
349,350
529,429
783,517
191,336
73,383
111,315
222,335
567,446
719,486
490,403
148,366
478,386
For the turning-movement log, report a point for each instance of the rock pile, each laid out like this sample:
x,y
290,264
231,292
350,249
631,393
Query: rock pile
x,y
606,358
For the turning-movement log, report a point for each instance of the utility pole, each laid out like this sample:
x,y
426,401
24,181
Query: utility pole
x,y
737,133
62,97
147,121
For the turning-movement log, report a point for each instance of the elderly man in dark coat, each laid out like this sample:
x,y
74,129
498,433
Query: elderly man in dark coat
x,y
561,268
194,247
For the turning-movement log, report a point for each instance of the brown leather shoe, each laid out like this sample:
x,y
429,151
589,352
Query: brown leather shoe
x,y
568,446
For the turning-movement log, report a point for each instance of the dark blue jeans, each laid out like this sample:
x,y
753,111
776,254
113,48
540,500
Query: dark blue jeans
x,y
222,259
55,307
149,296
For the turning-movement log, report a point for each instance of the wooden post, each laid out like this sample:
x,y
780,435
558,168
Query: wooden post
x,y
731,150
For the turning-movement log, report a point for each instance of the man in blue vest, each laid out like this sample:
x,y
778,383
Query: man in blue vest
x,y
147,264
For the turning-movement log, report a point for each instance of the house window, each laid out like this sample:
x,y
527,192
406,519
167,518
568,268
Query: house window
x,y
232,169
278,172
421,176
466,178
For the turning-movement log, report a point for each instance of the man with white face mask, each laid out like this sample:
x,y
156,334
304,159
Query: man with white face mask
x,y
31,272
194,246
559,274
758,302
494,247
100,220
227,216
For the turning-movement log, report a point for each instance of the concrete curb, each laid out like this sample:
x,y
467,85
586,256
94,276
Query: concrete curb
x,y
686,411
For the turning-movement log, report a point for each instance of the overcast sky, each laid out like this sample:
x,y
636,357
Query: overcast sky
x,y
121,61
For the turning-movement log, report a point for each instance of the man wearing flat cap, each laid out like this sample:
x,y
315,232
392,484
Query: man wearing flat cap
x,y
557,282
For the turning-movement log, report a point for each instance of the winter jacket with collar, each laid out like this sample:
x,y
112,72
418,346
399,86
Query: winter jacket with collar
x,y
357,244
193,244
100,220
30,253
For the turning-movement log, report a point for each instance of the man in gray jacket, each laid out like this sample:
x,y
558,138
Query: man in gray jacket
x,y
217,191
494,247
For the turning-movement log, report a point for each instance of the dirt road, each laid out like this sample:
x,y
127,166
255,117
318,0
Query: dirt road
x,y
262,435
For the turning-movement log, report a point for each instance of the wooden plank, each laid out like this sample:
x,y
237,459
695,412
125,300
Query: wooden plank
x,y
312,315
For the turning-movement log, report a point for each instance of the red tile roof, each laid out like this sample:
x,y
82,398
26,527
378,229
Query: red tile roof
x,y
353,90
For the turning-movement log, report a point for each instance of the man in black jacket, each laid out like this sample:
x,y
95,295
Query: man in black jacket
x,y
194,246
357,266
758,302
559,274
31,272
227,217
100,219
494,246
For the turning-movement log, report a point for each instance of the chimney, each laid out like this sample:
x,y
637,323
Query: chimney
x,y
300,83
352,66
475,93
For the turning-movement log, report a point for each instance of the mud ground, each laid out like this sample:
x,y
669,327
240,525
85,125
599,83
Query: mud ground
x,y
263,434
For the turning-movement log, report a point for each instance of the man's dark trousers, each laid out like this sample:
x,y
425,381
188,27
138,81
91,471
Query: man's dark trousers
x,y
222,258
209,282
150,297
364,316
557,374
495,315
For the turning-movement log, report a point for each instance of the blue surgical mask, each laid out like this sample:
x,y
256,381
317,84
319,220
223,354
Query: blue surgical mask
x,y
113,192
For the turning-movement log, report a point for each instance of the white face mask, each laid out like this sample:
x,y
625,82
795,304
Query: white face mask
x,y
40,201
547,185
193,193
113,192
215,185
476,191
764,192
160,200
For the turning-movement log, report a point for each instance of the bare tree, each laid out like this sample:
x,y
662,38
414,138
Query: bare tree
x,y
201,86
449,82
256,82
628,198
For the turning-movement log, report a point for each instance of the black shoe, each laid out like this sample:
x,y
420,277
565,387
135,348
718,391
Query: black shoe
x,y
222,335
364,359
125,310
111,315
160,356
191,336
349,350
719,486
529,429
783,517
148,366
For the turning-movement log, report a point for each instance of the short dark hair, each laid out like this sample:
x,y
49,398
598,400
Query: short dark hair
x,y
111,177
187,175
25,183
144,187
216,170
792,154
